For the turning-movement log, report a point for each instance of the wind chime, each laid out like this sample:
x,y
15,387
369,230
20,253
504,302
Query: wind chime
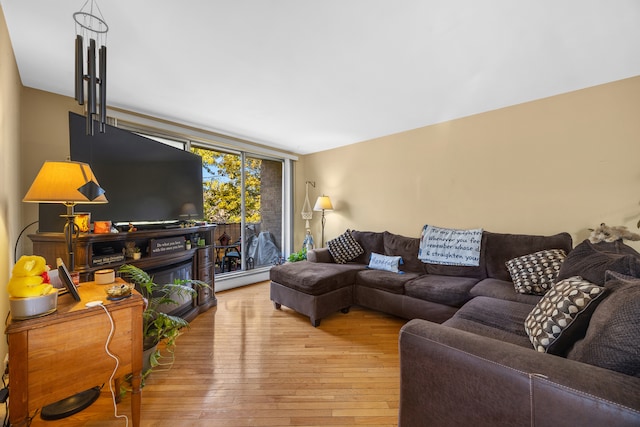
x,y
91,30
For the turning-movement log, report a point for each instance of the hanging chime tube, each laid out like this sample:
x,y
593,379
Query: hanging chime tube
x,y
103,88
79,70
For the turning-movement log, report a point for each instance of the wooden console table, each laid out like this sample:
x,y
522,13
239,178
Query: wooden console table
x,y
61,354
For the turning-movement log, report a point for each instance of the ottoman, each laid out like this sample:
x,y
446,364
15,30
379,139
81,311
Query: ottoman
x,y
314,289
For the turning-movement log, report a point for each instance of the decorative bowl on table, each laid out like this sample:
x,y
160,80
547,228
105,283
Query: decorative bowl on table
x,y
120,291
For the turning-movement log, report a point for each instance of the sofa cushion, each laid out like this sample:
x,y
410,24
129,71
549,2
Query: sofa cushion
x,y
344,248
498,248
536,273
384,280
613,337
592,260
502,289
371,242
562,315
493,318
315,278
407,248
456,270
386,263
448,290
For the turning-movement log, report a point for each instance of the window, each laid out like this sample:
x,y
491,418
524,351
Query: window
x,y
243,196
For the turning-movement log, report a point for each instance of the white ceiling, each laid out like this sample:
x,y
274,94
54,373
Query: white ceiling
x,y
309,75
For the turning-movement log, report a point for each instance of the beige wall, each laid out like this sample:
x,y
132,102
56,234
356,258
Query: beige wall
x,y
564,163
9,165
44,136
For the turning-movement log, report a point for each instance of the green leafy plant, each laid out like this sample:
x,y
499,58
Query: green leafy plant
x,y
158,326
298,256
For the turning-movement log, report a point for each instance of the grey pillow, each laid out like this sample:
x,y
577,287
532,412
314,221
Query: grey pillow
x,y
562,315
613,337
344,248
592,260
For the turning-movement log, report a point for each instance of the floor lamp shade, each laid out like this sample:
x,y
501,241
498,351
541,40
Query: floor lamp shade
x,y
323,204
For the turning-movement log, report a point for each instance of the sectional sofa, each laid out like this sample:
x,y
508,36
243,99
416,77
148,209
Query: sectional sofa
x,y
483,349
320,287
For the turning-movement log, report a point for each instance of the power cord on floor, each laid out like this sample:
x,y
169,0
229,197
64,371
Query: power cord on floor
x,y
113,374
5,399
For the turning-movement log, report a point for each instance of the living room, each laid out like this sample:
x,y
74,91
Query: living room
x,y
565,162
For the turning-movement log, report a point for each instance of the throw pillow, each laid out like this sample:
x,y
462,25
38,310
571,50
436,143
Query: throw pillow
x,y
536,273
386,263
592,260
562,315
344,248
612,338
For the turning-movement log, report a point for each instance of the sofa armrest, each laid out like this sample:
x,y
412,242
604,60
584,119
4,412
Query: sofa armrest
x,y
450,377
319,255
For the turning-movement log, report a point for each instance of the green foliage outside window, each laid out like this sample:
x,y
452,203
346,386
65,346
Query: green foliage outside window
x,y
222,183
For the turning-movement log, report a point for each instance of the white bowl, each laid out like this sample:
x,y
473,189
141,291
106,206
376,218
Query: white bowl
x,y
26,308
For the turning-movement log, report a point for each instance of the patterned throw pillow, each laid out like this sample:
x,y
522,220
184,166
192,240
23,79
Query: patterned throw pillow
x,y
344,248
562,315
386,263
536,273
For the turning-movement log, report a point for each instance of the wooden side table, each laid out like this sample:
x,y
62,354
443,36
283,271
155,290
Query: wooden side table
x,y
61,354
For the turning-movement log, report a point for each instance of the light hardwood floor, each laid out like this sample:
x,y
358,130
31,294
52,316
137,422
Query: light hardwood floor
x,y
247,364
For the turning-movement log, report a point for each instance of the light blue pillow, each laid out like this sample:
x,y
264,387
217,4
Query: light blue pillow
x,y
386,263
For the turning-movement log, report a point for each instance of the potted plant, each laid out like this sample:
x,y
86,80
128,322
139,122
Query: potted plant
x,y
158,326
298,256
136,253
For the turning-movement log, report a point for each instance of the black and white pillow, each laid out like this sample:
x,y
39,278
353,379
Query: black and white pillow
x,y
536,273
344,248
562,315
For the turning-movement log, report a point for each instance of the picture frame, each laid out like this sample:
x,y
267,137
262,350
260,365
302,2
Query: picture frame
x,y
68,282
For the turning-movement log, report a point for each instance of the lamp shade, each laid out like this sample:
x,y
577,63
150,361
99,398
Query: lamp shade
x,y
65,182
323,204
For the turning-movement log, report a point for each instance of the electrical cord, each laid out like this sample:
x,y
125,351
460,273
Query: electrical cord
x,y
15,248
5,421
113,374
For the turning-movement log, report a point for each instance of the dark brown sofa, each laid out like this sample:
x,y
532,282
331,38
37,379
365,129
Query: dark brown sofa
x,y
466,358
319,287
479,367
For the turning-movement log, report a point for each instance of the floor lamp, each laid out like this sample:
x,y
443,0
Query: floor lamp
x,y
68,183
323,204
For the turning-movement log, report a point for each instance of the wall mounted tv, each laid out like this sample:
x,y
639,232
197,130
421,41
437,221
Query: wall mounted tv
x,y
145,181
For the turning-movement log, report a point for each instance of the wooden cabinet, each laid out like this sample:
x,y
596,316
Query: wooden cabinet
x,y
61,354
162,250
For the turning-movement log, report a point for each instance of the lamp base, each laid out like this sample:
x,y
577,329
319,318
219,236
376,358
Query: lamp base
x,y
71,405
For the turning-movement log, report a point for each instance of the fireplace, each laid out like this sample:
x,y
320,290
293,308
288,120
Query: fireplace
x,y
168,274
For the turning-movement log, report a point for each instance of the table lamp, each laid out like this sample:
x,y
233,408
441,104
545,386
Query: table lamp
x,y
69,183
323,204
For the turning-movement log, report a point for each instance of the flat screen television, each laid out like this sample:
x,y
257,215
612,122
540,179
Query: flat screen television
x,y
146,182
